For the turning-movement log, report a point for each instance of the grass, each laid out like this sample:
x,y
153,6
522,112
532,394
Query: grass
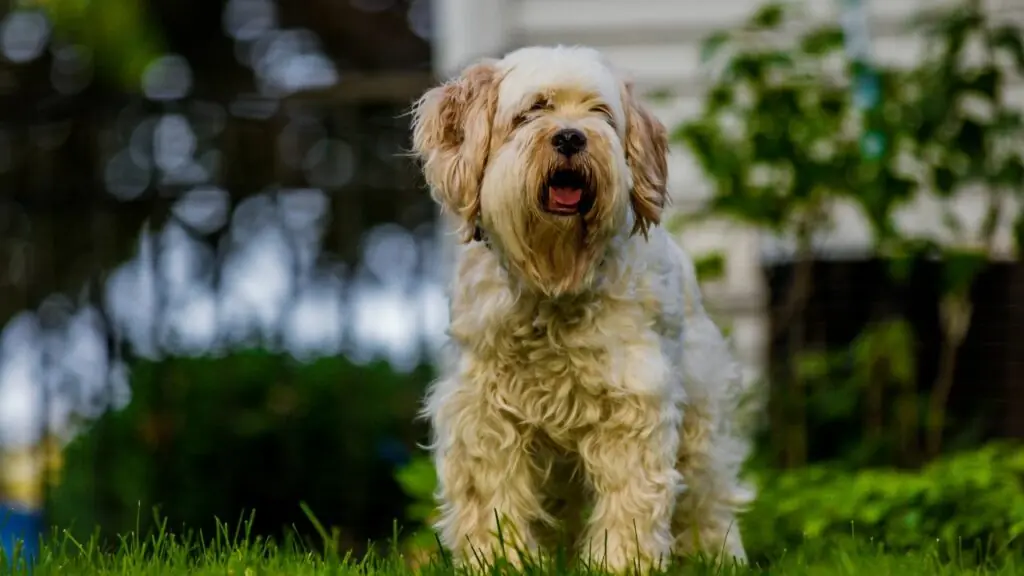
x,y
236,552
167,554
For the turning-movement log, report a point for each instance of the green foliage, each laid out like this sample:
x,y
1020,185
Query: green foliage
x,y
119,34
710,266
863,400
783,138
418,480
969,500
891,343
213,436
771,135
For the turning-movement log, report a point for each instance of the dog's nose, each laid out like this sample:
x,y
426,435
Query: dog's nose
x,y
569,141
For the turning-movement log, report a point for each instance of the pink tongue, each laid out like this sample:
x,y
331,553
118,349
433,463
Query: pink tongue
x,y
565,196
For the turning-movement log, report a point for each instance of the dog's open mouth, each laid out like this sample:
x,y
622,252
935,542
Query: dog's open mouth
x,y
567,192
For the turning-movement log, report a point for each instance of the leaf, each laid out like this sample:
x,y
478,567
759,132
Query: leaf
x,y
985,81
768,17
710,266
712,44
1010,173
970,138
898,188
720,97
421,511
659,94
905,252
699,138
812,365
749,67
899,349
952,25
834,103
418,478
1008,121
900,267
718,158
929,122
960,268
752,205
1018,232
1008,38
944,179
822,41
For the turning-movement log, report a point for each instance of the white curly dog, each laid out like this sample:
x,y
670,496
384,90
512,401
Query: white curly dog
x,y
586,377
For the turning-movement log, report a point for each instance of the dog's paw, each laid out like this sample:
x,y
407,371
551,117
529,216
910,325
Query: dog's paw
x,y
718,546
622,558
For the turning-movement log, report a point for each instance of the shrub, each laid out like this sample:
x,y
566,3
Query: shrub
x,y
968,500
251,431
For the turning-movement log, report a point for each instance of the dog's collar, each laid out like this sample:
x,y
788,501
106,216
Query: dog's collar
x,y
480,236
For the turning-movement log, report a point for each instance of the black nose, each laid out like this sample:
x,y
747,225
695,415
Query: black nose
x,y
569,141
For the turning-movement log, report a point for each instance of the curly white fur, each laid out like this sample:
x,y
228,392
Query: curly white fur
x,y
585,373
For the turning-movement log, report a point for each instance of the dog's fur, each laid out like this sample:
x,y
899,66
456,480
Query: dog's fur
x,y
586,374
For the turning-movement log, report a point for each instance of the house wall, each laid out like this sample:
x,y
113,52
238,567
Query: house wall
x,y
657,42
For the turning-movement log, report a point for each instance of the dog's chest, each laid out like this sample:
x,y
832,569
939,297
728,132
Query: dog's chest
x,y
562,367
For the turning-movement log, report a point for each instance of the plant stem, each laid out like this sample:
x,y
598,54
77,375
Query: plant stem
x,y
907,420
877,376
956,312
793,315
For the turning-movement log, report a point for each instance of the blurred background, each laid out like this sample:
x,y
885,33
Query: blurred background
x,y
221,278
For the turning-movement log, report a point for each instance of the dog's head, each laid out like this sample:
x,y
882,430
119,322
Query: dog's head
x,y
550,154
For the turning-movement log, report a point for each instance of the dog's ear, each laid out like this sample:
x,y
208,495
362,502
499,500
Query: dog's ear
x,y
451,132
647,157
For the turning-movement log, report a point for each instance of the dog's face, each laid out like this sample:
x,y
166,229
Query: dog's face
x,y
550,154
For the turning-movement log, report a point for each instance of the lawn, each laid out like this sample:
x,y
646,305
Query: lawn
x,y
240,555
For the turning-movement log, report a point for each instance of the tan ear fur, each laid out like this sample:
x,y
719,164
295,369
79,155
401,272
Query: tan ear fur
x,y
647,157
451,132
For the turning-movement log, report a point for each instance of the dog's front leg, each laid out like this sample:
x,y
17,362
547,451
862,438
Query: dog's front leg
x,y
629,459
486,484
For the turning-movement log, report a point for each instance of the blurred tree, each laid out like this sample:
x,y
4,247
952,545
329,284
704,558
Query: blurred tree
x,y
784,141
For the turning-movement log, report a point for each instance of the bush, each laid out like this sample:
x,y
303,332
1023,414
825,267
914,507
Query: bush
x,y
968,499
252,431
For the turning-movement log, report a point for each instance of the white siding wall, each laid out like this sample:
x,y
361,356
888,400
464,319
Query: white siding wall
x,y
657,43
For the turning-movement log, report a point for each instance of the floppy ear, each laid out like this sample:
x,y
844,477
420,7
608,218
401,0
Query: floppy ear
x,y
451,132
647,158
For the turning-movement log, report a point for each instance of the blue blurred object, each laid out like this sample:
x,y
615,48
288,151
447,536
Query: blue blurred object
x,y
853,18
392,451
18,523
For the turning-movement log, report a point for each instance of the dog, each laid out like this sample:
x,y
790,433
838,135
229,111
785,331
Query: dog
x,y
584,375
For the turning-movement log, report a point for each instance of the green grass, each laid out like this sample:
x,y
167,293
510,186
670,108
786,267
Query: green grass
x,y
235,552
169,555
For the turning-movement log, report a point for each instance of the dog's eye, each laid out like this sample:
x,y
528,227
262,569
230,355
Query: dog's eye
x,y
539,105
604,111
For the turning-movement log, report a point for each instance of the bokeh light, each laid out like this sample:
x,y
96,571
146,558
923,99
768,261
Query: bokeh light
x,y
217,268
